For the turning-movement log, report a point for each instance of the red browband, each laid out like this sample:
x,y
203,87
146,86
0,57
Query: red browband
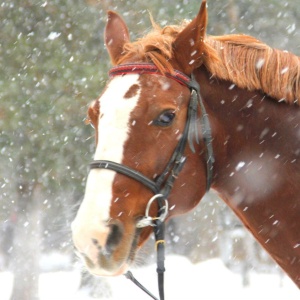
x,y
147,68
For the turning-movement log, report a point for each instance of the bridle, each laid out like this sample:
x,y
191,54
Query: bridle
x,y
163,184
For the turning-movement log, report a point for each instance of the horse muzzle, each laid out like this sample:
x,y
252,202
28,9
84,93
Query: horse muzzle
x,y
103,248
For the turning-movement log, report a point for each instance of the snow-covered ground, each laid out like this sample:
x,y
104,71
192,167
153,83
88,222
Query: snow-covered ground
x,y
206,281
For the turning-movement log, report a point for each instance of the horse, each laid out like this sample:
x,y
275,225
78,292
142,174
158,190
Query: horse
x,y
182,113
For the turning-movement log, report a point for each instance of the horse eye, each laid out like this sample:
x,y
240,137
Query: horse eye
x,y
165,118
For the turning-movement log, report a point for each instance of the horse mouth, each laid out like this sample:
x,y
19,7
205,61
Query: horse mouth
x,y
108,264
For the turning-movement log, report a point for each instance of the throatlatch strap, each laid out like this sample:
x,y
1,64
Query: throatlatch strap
x,y
207,133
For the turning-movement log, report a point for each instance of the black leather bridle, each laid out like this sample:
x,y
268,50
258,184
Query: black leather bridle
x,y
163,184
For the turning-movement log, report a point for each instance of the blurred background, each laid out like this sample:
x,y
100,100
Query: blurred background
x,y
53,63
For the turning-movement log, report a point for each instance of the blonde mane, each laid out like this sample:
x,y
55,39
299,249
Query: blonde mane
x,y
241,59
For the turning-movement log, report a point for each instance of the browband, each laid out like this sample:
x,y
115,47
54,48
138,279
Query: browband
x,y
148,68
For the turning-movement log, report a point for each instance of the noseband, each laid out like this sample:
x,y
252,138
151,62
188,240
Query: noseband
x,y
163,184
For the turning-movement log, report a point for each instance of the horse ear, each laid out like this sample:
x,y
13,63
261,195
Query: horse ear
x,y
189,42
116,35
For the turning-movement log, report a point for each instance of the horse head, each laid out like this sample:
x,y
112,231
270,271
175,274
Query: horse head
x,y
139,120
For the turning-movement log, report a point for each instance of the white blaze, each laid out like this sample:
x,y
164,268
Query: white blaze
x,y
113,128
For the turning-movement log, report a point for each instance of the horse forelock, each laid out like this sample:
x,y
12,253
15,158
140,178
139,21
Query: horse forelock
x,y
155,47
243,60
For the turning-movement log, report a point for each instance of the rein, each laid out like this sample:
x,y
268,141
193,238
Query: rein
x,y
162,186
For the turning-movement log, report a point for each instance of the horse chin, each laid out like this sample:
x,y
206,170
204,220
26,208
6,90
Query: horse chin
x,y
109,273
107,266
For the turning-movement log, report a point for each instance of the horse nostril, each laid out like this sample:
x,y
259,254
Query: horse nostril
x,y
115,236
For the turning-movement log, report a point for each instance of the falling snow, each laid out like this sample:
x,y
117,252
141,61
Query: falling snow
x,y
240,165
53,35
54,64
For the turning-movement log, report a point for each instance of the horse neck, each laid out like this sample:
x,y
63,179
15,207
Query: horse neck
x,y
254,171
249,127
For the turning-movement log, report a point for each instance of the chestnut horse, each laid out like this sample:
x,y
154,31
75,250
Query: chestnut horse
x,y
243,140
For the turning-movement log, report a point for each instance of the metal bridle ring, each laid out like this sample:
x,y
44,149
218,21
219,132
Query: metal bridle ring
x,y
148,220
